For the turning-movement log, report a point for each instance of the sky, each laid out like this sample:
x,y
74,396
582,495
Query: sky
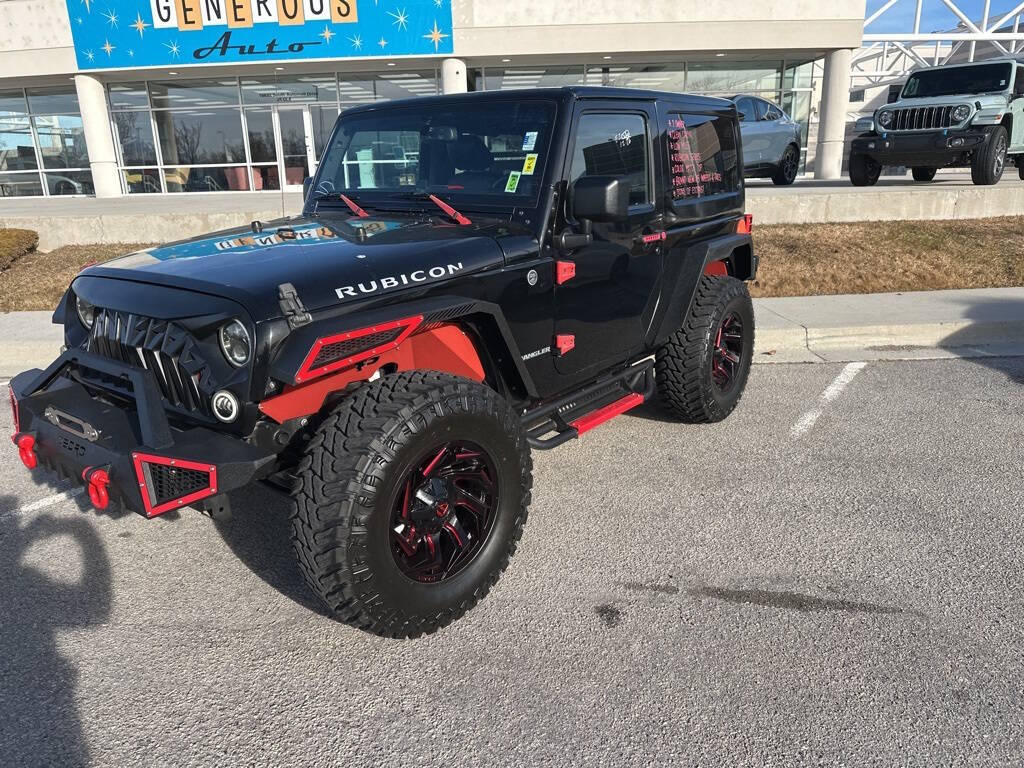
x,y
935,16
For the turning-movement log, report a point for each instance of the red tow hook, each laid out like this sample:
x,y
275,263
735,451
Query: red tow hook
x,y
97,482
27,450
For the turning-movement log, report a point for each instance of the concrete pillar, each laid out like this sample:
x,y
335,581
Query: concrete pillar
x,y
835,102
99,137
453,76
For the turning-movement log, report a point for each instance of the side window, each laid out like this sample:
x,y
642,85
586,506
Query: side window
x,y
774,113
702,151
745,107
762,109
613,145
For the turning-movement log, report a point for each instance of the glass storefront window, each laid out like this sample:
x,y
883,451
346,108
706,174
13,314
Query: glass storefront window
x,y
260,125
20,185
136,136
127,95
233,179
69,183
728,78
199,137
360,89
518,78
47,101
270,90
12,103
190,93
17,150
265,177
654,77
141,180
61,141
323,118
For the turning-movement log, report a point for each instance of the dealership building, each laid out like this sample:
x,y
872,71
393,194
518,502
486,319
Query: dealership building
x,y
137,97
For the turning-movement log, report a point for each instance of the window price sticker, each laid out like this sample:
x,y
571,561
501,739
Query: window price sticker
x,y
529,141
529,164
513,181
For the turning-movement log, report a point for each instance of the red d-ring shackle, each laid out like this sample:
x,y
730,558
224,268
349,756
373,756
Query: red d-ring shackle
x,y
98,480
26,450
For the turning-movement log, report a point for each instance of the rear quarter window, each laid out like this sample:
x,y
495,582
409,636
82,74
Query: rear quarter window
x,y
703,156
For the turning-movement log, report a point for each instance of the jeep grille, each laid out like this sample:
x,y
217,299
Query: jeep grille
x,y
159,346
921,119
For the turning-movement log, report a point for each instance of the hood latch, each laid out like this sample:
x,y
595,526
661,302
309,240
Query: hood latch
x,y
291,306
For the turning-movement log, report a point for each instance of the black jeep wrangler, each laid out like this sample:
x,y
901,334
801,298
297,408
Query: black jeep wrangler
x,y
471,277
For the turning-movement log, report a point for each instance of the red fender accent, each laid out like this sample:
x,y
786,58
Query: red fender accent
x,y
717,269
446,348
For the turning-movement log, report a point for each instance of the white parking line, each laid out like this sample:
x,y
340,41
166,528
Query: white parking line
x,y
49,501
834,390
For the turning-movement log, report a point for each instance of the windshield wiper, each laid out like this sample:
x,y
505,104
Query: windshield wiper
x,y
350,203
354,207
459,218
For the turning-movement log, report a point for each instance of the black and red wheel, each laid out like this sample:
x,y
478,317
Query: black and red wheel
x,y
702,370
412,498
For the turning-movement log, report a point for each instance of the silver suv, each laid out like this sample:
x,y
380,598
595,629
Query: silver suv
x,y
771,140
968,115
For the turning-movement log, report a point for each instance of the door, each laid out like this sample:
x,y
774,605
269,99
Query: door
x,y
750,129
610,302
777,133
295,137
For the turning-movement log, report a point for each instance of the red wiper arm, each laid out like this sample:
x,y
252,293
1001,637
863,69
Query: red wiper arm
x,y
459,218
352,206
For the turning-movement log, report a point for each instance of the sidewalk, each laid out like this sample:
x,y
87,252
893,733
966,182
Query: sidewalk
x,y
974,323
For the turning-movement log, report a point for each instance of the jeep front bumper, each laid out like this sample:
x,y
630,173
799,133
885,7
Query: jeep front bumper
x,y
921,149
126,454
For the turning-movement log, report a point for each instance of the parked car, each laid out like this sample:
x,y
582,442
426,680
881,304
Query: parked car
x,y
967,115
390,357
771,140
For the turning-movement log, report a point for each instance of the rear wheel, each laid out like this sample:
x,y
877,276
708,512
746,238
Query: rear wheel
x,y
989,162
413,496
785,174
924,174
864,170
702,369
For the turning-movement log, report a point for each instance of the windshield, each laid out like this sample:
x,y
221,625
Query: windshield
x,y
954,81
490,152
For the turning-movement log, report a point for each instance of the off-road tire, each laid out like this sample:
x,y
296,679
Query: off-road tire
x,y
989,161
788,167
348,480
683,365
864,171
924,174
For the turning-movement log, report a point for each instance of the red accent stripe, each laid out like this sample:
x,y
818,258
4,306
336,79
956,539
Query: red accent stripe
x,y
745,226
609,412
153,510
305,372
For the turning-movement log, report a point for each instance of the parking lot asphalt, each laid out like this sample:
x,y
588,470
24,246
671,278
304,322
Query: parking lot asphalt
x,y
832,576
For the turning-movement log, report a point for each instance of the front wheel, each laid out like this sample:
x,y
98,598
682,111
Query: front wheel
x,y
412,498
702,369
989,162
785,174
924,174
864,170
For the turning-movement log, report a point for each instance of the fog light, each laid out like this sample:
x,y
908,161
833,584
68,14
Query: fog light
x,y
956,141
225,406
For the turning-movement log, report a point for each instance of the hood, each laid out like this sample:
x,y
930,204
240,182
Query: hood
x,y
988,100
329,258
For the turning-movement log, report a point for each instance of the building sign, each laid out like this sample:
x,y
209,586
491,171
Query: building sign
x,y
122,34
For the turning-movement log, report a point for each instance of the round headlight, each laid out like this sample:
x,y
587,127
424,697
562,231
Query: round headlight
x,y
235,343
885,118
961,113
86,312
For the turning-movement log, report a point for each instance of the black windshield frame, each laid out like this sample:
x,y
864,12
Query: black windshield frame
x,y
441,125
959,81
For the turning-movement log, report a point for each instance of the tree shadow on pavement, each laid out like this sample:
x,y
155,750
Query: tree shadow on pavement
x,y
39,721
259,534
988,311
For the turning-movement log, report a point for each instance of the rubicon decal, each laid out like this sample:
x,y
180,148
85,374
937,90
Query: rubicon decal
x,y
397,281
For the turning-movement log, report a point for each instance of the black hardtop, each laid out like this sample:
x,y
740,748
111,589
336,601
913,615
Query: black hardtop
x,y
564,94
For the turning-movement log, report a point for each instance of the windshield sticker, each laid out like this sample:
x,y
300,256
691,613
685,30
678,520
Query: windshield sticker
x,y
529,141
529,164
513,181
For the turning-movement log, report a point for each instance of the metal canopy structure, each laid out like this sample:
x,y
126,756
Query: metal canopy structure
x,y
889,56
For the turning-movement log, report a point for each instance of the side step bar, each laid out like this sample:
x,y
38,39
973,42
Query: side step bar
x,y
578,413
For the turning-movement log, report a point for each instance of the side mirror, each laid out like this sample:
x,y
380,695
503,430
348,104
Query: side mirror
x,y
600,198
306,184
